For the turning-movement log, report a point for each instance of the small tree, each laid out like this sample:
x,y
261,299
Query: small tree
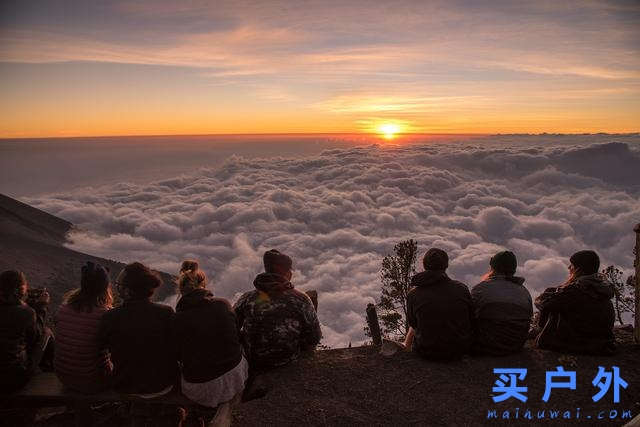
x,y
395,274
624,292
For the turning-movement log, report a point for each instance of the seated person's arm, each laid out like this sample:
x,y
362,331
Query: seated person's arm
x,y
556,299
238,310
310,334
408,340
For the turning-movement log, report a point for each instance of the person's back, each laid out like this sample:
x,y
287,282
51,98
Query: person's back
x,y
138,336
439,311
207,336
19,332
278,322
503,308
79,361
578,316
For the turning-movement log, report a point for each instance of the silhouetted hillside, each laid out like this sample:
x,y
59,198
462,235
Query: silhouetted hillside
x,y
32,241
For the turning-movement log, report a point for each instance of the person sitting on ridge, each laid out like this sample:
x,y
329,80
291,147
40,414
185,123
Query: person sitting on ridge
x,y
214,370
439,311
578,316
138,335
22,331
276,320
80,363
503,308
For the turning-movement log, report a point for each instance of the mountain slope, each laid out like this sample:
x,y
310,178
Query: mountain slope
x,y
32,241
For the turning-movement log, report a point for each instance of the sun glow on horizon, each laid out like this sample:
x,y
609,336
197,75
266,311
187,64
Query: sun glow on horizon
x,y
388,130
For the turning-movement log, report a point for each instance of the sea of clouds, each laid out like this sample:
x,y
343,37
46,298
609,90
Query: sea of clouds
x,y
339,212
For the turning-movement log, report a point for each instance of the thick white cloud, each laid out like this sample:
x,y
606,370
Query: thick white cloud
x,y
338,213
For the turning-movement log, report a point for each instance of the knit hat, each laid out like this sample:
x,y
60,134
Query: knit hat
x,y
588,262
94,276
435,259
504,262
273,258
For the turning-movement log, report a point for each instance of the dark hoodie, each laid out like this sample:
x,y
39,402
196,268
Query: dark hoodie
x,y
440,311
578,317
206,336
277,322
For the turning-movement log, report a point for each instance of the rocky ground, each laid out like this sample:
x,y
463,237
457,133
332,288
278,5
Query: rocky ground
x,y
359,386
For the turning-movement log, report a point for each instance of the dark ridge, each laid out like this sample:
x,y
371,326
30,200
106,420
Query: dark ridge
x,y
32,241
22,220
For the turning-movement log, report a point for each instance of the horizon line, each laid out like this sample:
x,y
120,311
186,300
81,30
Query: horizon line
x,y
399,134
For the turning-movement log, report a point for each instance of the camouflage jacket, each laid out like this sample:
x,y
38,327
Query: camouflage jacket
x,y
276,321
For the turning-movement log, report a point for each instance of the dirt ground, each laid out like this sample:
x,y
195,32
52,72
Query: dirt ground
x,y
358,386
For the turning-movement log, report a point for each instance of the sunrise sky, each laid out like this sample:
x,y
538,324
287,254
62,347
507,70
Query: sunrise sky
x,y
71,68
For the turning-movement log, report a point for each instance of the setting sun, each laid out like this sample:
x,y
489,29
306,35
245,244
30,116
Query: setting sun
x,y
388,130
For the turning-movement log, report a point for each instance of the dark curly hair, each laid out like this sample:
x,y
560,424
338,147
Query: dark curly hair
x,y
139,280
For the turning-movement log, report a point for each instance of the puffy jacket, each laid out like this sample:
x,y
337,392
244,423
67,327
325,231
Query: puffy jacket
x,y
206,335
79,361
503,310
439,309
578,317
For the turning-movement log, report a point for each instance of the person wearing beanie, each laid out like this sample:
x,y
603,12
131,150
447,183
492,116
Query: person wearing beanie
x,y
206,336
277,321
80,362
138,336
578,316
439,311
503,308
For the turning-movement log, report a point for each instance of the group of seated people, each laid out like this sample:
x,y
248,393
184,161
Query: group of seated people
x,y
447,320
206,348
210,350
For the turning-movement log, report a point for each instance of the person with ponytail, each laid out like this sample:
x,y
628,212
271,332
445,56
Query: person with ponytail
x,y
80,362
578,316
214,369
502,307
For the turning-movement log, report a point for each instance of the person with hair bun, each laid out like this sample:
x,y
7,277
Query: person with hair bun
x,y
138,335
578,316
80,362
214,370
503,308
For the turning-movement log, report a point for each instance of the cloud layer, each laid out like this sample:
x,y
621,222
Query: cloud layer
x,y
339,212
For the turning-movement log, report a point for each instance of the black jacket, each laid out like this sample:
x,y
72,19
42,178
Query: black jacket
x,y
441,313
578,317
138,335
20,332
206,336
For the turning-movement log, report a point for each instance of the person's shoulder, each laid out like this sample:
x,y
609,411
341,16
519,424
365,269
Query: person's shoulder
x,y
459,285
298,296
245,297
162,308
221,302
480,286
